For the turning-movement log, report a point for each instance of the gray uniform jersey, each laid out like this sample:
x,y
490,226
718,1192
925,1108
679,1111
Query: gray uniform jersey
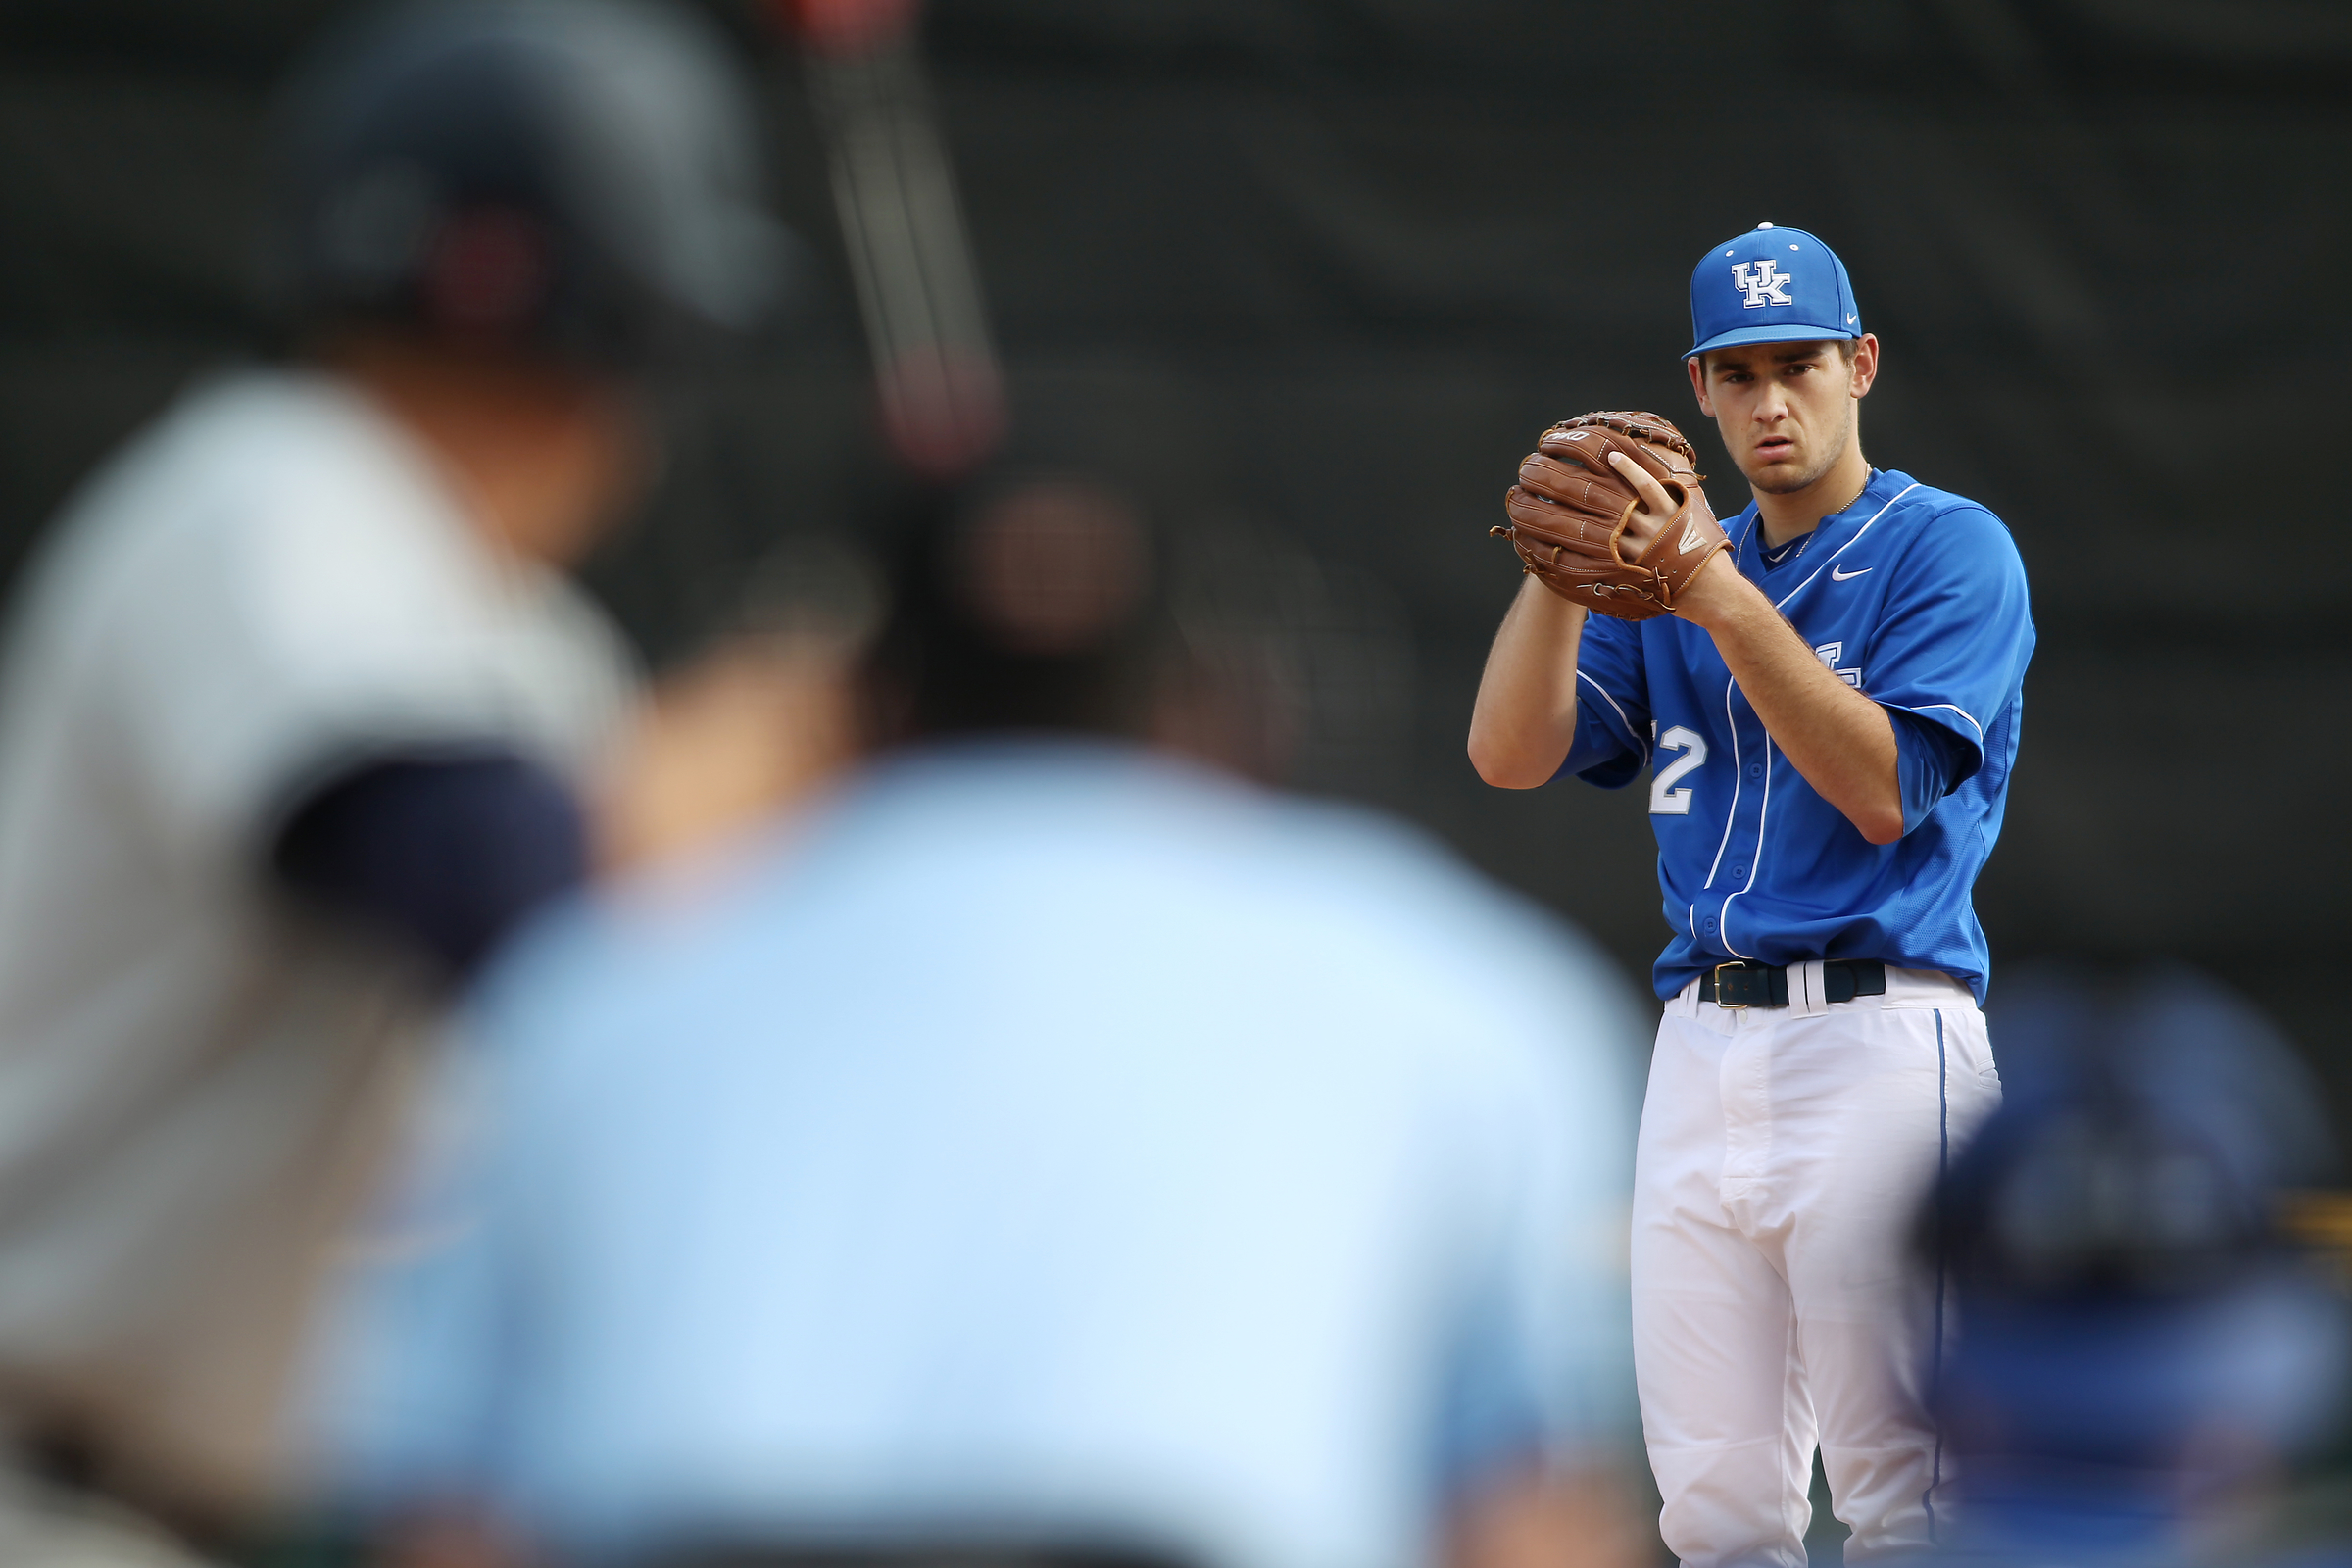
x,y
271,583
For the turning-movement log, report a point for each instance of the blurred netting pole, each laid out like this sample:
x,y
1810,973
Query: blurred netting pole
x,y
935,367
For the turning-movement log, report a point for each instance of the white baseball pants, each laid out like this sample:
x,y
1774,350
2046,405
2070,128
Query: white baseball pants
x,y
1784,1155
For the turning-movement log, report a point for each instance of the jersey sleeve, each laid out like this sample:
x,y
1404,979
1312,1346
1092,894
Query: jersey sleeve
x,y
1955,631
448,854
1612,702
1930,761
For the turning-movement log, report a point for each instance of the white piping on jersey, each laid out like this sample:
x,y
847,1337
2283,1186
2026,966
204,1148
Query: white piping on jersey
x,y
1690,919
1954,707
1849,545
1755,868
1618,712
1731,815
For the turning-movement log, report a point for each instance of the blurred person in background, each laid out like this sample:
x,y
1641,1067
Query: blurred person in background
x,y
2140,1347
1049,1150
299,719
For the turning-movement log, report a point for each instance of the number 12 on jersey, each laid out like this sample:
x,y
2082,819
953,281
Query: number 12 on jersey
x,y
1664,799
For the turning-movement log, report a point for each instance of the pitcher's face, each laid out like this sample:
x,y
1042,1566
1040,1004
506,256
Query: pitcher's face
x,y
1785,410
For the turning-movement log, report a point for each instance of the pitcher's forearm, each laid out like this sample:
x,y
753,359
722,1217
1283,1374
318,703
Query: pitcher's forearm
x,y
1524,718
1840,740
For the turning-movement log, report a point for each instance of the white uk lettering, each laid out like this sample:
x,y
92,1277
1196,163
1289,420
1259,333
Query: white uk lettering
x,y
1761,282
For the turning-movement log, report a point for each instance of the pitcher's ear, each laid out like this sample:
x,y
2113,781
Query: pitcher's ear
x,y
1696,365
1863,365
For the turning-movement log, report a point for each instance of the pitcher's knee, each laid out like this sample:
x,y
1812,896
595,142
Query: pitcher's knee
x,y
1732,1505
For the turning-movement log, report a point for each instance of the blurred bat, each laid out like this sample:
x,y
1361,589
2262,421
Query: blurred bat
x,y
935,368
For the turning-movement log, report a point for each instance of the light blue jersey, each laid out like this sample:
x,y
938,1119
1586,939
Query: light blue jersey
x,y
1913,595
1047,1139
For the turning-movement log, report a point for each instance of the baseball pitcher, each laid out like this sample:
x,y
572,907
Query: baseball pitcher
x,y
1825,691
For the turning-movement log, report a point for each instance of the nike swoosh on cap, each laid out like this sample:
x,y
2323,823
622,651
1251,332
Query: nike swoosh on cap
x,y
1836,575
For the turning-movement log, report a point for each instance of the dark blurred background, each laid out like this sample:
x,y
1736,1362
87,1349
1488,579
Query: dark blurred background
x,y
1311,273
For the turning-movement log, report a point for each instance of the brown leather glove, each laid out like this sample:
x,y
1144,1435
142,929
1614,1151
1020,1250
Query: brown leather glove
x,y
1570,507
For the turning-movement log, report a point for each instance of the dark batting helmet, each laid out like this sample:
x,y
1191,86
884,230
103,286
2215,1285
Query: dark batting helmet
x,y
2113,1238
576,178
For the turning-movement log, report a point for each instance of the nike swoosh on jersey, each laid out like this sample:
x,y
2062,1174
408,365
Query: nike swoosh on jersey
x,y
1836,575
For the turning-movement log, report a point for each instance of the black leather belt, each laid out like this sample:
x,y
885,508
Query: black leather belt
x,y
1742,984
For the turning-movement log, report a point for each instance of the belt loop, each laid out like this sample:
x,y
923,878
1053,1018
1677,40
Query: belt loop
x,y
1808,998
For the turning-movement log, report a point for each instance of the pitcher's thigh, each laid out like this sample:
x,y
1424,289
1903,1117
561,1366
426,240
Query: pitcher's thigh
x,y
1863,1280
1723,1406
1724,1410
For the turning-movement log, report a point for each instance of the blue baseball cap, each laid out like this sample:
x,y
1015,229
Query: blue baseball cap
x,y
1769,286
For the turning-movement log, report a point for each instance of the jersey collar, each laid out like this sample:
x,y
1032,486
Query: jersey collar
x,y
1748,534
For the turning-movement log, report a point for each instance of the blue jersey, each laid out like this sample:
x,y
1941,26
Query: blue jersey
x,y
1916,596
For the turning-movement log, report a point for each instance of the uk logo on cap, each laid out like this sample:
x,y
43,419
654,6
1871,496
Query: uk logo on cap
x,y
1761,282
1769,286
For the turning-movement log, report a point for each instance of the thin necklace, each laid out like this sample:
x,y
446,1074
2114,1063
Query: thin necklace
x,y
1771,559
1867,474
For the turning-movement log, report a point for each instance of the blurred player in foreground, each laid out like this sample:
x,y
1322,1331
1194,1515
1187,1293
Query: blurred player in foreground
x,y
1050,1150
2139,1346
1830,713
299,716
